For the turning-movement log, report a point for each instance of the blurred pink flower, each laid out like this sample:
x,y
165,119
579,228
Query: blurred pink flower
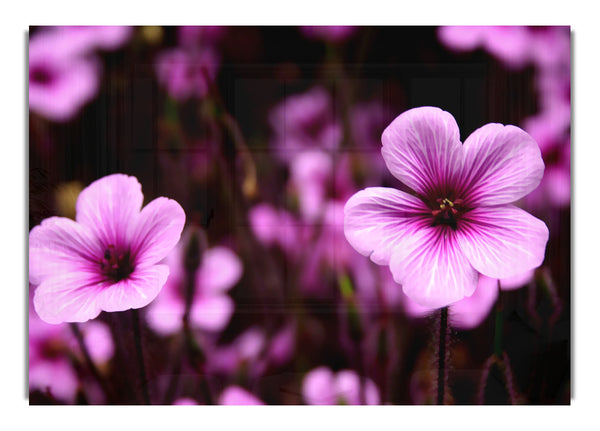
x,y
61,80
252,352
98,37
278,228
211,308
106,260
310,174
236,396
459,222
510,44
551,125
321,386
187,73
367,122
63,72
303,122
470,312
331,33
50,347
244,352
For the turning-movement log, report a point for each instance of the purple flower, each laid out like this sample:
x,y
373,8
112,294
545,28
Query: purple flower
x,y
322,386
211,308
458,221
106,260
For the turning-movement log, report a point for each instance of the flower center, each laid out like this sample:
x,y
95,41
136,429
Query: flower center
x,y
447,212
116,265
41,74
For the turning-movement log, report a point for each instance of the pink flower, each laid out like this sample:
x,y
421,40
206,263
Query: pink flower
x,y
91,37
187,73
457,222
511,44
274,227
50,347
63,72
321,386
211,308
305,121
61,80
236,396
470,312
243,353
106,260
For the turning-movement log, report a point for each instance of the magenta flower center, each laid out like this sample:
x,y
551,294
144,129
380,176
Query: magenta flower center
x,y
116,265
41,74
447,212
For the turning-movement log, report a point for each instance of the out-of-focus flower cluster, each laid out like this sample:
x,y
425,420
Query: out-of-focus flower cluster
x,y
249,143
548,51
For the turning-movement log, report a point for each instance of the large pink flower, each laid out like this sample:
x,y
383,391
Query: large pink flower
x,y
106,259
458,221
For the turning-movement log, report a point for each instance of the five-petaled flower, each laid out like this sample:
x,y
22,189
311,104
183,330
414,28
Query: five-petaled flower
x,y
107,259
457,221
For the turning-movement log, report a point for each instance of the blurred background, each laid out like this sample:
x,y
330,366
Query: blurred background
x,y
262,134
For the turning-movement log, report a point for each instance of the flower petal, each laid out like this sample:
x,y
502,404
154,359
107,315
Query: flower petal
x,y
60,245
376,219
502,164
432,269
469,312
348,386
318,387
422,148
502,242
69,297
236,396
221,269
165,313
213,313
157,231
136,291
109,206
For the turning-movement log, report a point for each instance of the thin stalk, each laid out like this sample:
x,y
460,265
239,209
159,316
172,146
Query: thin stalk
x,y
137,335
442,353
88,360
